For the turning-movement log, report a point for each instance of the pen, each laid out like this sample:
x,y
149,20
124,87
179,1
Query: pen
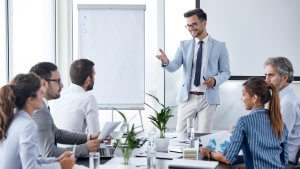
x,y
74,148
205,80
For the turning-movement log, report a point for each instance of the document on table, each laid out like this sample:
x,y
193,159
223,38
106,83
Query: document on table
x,y
217,141
79,167
183,163
168,156
161,155
108,128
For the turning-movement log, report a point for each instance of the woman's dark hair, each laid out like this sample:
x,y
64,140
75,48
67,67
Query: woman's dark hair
x,y
267,93
14,96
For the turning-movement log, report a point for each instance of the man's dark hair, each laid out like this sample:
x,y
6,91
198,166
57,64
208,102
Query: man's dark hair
x,y
43,69
80,70
198,12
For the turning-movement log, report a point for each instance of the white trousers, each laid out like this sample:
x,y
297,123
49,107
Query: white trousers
x,y
198,108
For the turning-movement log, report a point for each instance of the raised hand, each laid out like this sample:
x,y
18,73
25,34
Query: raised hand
x,y
162,57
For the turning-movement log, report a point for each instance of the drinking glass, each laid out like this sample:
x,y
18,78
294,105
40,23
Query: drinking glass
x,y
191,128
94,160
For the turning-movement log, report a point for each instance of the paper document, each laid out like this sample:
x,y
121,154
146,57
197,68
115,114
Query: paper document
x,y
168,156
217,141
79,167
182,163
108,128
161,155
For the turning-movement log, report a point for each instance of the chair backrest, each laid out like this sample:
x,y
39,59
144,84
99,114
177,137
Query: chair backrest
x,y
297,157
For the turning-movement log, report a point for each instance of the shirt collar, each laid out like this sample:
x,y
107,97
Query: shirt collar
x,y
77,87
205,40
257,110
285,91
45,102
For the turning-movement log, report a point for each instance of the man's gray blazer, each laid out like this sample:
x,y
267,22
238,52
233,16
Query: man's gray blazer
x,y
216,63
49,135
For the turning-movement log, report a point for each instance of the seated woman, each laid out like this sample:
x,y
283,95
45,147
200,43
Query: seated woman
x,y
18,132
261,134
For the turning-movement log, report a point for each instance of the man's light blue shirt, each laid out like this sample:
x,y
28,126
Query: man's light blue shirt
x,y
291,118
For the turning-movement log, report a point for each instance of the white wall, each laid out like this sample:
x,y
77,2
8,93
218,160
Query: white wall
x,y
231,107
255,30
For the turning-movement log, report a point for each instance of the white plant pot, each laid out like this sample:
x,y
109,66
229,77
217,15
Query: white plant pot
x,y
161,144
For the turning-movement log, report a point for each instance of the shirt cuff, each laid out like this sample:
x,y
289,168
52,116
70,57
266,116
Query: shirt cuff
x,y
88,137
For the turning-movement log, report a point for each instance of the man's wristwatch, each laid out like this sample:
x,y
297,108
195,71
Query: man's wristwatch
x,y
165,64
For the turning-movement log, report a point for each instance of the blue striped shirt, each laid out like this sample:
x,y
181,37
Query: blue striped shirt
x,y
261,147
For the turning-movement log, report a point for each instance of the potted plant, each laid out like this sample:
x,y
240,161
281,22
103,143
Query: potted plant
x,y
131,142
159,120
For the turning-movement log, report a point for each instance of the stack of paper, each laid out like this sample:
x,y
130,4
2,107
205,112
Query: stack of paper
x,y
108,129
190,153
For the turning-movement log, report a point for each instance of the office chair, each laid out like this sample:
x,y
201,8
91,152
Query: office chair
x,y
296,164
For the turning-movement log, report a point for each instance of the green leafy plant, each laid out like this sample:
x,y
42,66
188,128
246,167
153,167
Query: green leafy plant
x,y
131,142
161,117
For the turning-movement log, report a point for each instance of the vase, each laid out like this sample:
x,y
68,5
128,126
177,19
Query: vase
x,y
126,156
161,144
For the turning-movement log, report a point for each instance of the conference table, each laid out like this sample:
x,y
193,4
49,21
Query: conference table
x,y
160,163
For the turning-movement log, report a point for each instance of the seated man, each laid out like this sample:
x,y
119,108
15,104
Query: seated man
x,y
279,72
76,110
49,135
294,137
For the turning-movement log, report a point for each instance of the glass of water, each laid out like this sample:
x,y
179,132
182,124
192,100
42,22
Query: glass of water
x,y
191,128
94,160
151,135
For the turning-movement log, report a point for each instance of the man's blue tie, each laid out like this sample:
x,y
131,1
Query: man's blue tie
x,y
198,65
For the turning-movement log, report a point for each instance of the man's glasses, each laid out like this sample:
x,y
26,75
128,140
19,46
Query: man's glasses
x,y
58,81
193,25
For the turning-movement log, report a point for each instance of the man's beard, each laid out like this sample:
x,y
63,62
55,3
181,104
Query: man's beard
x,y
90,86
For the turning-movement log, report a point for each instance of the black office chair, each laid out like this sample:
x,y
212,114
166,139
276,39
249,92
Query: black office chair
x,y
296,164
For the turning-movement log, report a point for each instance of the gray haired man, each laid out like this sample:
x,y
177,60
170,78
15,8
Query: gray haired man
x,y
279,72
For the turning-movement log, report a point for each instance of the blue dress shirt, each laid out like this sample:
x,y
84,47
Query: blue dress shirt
x,y
19,150
261,147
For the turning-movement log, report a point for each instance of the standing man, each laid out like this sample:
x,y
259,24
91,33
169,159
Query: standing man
x,y
76,110
279,72
49,135
205,67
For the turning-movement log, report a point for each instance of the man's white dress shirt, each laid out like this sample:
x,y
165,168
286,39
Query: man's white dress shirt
x,y
201,87
76,110
288,100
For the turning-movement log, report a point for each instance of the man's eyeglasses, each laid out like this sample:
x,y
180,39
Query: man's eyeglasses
x,y
193,25
58,81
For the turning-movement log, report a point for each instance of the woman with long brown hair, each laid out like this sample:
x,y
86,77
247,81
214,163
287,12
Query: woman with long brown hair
x,y
261,134
18,132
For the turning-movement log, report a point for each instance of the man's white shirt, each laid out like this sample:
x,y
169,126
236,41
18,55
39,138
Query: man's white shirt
x,y
201,87
76,110
288,100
